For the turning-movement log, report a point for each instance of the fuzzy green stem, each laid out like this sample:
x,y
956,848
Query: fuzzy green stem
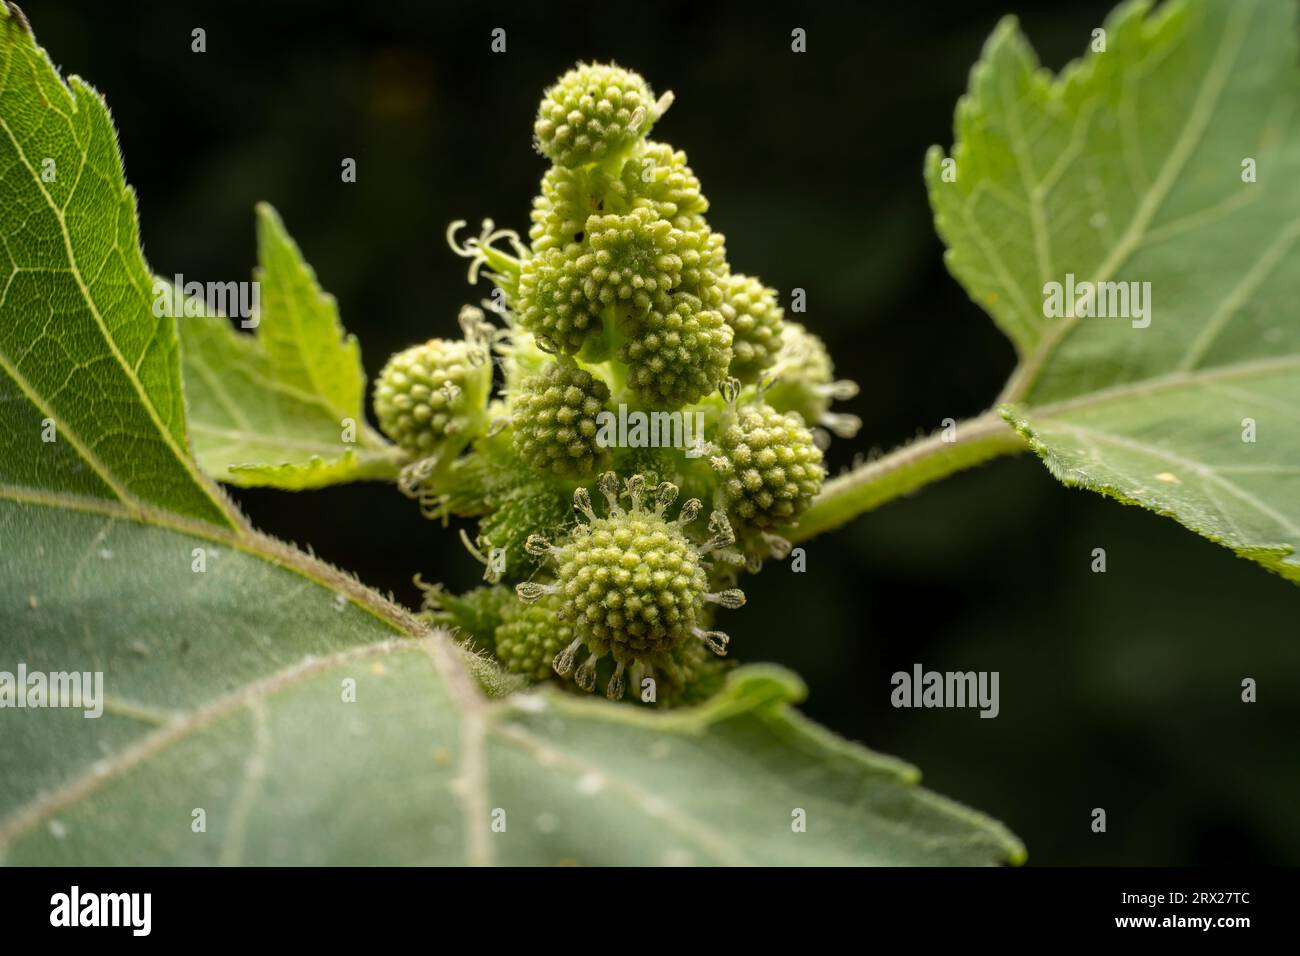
x,y
904,470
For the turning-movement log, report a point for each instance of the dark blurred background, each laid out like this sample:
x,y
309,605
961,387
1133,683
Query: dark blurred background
x,y
1118,690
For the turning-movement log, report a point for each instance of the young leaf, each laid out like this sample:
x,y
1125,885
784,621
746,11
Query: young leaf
x,y
284,407
261,707
1164,163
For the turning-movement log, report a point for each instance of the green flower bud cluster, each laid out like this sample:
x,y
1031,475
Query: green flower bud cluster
x,y
678,352
658,178
555,420
531,635
750,309
433,397
631,583
623,265
770,467
622,304
593,113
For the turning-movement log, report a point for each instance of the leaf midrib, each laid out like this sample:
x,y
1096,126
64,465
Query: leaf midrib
x,y
1174,380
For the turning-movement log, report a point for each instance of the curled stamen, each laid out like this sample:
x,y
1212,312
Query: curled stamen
x,y
730,390
636,491
720,531
777,546
479,250
451,390
585,677
842,424
453,227
638,117
412,478
582,503
472,548
715,641
538,546
546,344
841,391
434,506
608,486
690,511
563,663
731,598
615,688
530,591
498,426
665,495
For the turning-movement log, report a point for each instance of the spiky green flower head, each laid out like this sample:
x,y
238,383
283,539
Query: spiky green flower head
x,y
632,583
554,420
770,467
750,309
677,352
805,382
657,177
433,398
630,259
551,304
595,112
532,635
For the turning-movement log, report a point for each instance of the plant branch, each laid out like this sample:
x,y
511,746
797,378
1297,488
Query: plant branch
x,y
904,470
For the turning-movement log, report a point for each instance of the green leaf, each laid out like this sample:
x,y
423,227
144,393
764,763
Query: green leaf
x,y
1126,168
284,407
90,403
260,706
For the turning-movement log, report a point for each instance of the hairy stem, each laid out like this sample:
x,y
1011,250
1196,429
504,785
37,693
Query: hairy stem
x,y
971,442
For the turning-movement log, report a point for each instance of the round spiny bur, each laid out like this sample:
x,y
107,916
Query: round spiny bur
x,y
750,309
629,259
594,111
657,177
554,420
770,466
531,635
677,352
551,302
560,212
805,382
434,395
631,583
